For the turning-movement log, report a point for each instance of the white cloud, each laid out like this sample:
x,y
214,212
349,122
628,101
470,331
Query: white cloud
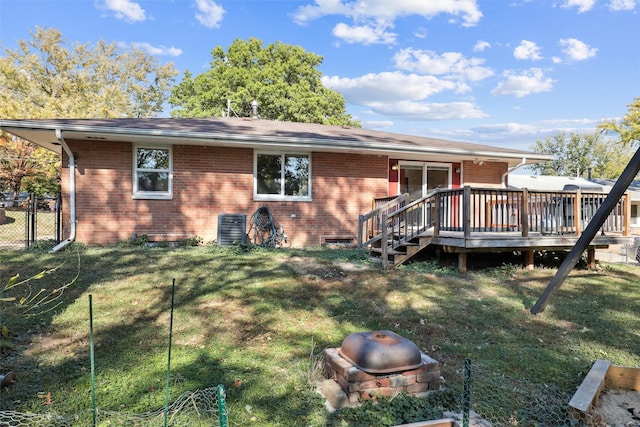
x,y
530,81
507,128
377,124
157,50
126,10
514,134
527,50
481,46
421,33
387,87
412,110
209,13
321,8
577,50
582,5
384,13
621,5
363,34
572,123
401,95
449,64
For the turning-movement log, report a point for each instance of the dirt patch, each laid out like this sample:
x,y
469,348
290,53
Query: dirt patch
x,y
619,408
311,268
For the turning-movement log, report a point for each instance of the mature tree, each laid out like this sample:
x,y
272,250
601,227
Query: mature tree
x,y
43,78
282,78
575,153
629,127
25,167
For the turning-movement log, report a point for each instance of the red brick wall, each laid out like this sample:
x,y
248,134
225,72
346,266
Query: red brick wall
x,y
488,174
208,181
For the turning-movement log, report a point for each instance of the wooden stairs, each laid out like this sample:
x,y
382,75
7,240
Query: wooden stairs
x,y
400,252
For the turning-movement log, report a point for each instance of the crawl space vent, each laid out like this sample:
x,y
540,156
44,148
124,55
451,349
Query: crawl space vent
x,y
231,229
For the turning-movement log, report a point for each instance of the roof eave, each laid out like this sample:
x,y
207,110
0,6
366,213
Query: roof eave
x,y
157,136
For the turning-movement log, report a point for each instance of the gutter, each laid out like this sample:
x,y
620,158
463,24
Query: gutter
x,y
504,175
331,143
72,194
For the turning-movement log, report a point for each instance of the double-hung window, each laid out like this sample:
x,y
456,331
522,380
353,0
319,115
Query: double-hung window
x,y
282,176
152,172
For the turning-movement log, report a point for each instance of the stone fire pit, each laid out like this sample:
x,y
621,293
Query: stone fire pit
x,y
380,363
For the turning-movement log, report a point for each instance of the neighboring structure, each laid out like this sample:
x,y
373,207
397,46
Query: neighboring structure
x,y
560,183
171,178
634,192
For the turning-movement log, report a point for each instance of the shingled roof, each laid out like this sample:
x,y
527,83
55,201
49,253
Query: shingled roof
x,y
256,133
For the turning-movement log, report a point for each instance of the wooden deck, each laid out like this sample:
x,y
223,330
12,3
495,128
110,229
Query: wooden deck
x,y
470,220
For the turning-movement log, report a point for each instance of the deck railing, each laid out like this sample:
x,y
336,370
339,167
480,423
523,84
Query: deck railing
x,y
495,210
370,224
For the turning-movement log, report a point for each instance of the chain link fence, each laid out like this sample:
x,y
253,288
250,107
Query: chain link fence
x,y
486,398
474,395
26,218
193,408
490,399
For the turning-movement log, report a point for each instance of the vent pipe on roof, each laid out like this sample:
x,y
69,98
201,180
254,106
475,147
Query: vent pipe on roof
x,y
254,109
72,194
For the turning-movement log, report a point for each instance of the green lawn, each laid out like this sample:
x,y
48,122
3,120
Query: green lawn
x,y
257,320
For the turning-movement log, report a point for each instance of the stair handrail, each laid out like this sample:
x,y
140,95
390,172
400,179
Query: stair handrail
x,y
373,219
396,223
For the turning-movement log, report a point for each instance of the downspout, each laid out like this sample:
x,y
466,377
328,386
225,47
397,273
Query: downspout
x,y
72,194
504,175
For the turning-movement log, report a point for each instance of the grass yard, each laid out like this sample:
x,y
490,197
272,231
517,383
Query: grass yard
x,y
257,320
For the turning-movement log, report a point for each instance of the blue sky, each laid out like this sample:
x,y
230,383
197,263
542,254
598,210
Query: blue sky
x,y
499,72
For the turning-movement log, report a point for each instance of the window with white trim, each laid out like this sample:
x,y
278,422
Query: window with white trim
x,y
152,172
282,176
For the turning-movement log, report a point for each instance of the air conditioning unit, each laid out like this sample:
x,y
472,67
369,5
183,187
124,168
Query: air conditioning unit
x,y
231,229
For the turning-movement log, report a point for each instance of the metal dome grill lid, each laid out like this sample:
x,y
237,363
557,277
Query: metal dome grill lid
x,y
380,352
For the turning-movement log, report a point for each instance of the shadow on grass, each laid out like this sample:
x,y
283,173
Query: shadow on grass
x,y
256,321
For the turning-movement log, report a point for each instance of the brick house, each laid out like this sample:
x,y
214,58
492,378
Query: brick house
x,y
172,178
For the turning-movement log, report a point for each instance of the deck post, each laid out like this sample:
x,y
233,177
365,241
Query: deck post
x,y
436,214
591,258
626,229
462,262
360,223
528,260
466,211
384,242
525,213
577,212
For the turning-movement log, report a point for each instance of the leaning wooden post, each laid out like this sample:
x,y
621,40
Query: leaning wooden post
x,y
610,202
